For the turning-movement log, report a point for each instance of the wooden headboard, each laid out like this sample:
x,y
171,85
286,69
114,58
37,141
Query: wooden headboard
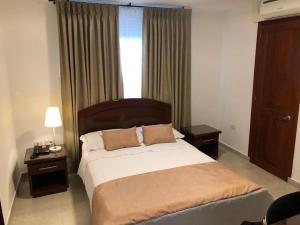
x,y
123,114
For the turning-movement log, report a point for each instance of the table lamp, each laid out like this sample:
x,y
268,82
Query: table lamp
x,y
53,120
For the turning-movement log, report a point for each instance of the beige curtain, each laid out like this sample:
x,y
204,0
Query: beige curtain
x,y
167,60
90,67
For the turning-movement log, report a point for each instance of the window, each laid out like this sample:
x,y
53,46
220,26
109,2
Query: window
x,y
130,31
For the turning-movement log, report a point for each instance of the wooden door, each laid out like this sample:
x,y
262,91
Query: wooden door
x,y
276,91
1,216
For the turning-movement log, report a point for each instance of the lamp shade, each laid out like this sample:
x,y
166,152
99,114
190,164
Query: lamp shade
x,y
52,118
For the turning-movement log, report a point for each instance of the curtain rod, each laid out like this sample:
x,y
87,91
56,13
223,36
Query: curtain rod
x,y
127,5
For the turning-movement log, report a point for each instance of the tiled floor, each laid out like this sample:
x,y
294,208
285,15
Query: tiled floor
x,y
276,186
72,207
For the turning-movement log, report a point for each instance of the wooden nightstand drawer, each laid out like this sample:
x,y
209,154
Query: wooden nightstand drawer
x,y
208,139
47,173
47,167
203,137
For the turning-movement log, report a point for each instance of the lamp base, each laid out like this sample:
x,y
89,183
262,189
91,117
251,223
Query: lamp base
x,y
55,148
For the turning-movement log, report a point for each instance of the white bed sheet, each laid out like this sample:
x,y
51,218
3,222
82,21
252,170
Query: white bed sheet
x,y
99,166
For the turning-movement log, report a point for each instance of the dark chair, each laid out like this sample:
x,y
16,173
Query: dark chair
x,y
283,208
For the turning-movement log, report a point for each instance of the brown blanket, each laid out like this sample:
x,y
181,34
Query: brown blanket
x,y
142,197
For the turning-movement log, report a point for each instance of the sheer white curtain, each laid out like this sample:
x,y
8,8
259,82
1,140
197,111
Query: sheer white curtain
x,y
130,31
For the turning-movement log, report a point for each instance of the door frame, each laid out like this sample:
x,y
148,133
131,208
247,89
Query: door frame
x,y
254,91
1,216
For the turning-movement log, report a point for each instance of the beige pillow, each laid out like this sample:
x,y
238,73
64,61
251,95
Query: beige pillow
x,y
162,133
117,139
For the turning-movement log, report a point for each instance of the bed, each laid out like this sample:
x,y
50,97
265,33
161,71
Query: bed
x,y
97,166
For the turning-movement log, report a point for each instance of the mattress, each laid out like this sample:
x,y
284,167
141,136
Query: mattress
x,y
99,166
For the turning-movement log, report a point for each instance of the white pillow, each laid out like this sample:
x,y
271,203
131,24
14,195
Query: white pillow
x,y
139,133
93,141
177,134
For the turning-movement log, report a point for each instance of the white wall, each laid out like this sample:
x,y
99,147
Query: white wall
x,y
236,83
9,170
237,72
32,55
223,58
206,60
223,54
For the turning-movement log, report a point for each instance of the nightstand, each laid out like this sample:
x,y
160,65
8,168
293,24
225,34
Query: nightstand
x,y
48,174
203,137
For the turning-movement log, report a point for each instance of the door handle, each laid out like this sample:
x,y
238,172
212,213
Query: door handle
x,y
286,118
